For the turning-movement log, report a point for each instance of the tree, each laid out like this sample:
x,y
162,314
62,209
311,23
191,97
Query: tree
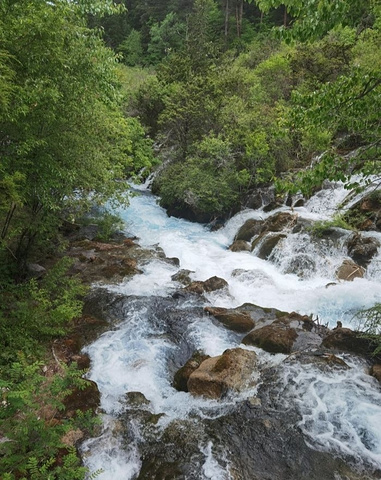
x,y
63,135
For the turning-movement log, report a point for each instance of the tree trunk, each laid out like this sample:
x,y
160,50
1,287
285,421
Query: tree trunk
x,y
226,21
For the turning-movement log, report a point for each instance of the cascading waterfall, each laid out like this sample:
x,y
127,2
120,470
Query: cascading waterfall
x,y
338,411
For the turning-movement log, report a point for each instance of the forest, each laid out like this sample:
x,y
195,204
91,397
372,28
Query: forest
x,y
217,97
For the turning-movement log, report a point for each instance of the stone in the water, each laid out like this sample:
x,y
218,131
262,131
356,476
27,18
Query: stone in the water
x,y
250,228
232,319
240,246
182,276
362,249
180,381
210,285
349,270
286,334
266,244
233,370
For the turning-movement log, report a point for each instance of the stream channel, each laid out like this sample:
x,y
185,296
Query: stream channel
x,y
297,421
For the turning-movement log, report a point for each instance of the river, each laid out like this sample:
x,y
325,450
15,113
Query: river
x,y
338,412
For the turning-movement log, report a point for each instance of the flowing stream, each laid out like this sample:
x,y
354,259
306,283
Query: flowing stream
x,y
337,411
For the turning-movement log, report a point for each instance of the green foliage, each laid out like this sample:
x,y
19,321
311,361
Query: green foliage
x,y
32,312
166,37
33,446
131,49
370,323
65,135
319,228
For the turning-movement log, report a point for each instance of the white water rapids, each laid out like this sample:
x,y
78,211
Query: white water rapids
x,y
340,411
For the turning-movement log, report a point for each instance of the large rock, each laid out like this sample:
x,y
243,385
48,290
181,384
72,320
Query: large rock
x,y
349,270
346,340
232,319
250,228
217,375
180,380
362,249
280,221
290,332
210,285
240,246
182,276
266,243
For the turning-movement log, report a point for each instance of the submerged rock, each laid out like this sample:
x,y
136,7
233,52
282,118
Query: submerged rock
x,y
238,321
349,270
233,370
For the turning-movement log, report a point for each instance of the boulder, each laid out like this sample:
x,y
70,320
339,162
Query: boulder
x,y
250,228
288,333
240,246
182,276
362,249
280,221
233,370
210,285
232,319
266,244
347,340
376,371
136,399
180,380
349,270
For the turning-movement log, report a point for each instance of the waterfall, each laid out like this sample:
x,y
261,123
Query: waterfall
x,y
337,411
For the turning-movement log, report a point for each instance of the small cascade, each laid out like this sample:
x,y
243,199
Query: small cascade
x,y
158,329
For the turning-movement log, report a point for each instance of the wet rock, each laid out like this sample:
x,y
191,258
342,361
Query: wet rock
x,y
182,276
349,270
265,444
233,370
302,225
250,228
299,203
272,205
180,381
136,399
324,361
254,201
376,371
302,265
210,285
240,246
266,243
172,261
347,340
362,249
238,321
286,334
280,221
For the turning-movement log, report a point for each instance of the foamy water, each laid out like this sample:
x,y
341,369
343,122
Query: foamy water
x,y
340,411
